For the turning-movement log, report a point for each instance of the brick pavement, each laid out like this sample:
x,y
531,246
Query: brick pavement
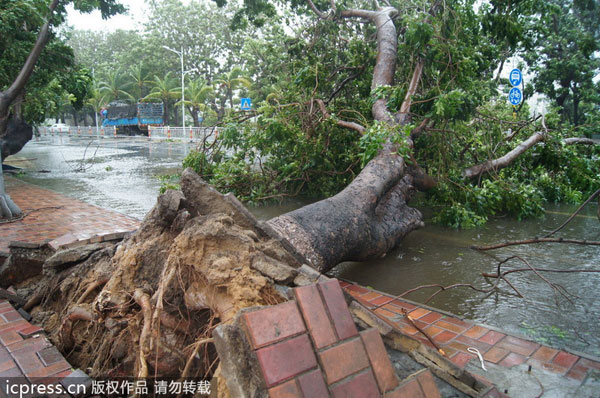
x,y
310,347
50,215
26,355
454,336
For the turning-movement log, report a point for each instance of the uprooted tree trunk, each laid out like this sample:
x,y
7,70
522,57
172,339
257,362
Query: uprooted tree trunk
x,y
370,216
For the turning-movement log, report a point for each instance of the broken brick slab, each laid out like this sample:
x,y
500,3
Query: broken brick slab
x,y
27,354
304,348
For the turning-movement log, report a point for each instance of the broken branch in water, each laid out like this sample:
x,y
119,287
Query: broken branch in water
x,y
575,213
537,240
501,275
546,238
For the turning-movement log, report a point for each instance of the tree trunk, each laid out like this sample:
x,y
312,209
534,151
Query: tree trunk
x,y
366,220
370,216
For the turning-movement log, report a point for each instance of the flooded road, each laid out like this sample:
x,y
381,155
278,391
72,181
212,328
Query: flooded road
x,y
122,174
119,174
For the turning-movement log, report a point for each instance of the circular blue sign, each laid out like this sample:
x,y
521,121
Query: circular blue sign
x,y
516,77
515,96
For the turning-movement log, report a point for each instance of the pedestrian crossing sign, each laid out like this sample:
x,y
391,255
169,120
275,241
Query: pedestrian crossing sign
x,y
246,104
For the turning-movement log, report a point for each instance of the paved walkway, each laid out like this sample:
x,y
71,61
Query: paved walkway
x,y
27,357
50,215
455,335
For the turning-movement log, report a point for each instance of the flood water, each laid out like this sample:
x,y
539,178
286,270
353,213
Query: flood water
x,y
121,174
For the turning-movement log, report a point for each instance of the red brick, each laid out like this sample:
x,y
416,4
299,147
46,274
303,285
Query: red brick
x,y
408,389
513,359
286,359
578,372
370,295
273,324
358,289
381,300
481,346
461,359
14,326
359,386
380,362
544,354
29,345
458,322
404,304
285,390
30,331
8,337
431,317
344,284
428,386
393,308
28,361
564,359
495,354
444,337
49,371
11,316
337,308
476,332
4,366
343,360
518,345
315,315
313,385
442,323
492,337
418,313
432,330
386,314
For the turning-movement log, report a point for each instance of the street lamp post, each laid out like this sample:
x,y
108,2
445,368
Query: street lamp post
x,y
180,53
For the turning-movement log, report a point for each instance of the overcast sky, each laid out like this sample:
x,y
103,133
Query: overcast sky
x,y
93,21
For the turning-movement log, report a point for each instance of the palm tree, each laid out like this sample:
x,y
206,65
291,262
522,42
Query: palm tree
x,y
231,81
115,86
164,89
197,92
97,100
138,79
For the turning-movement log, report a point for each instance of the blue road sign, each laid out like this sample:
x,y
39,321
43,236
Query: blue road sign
x,y
516,77
515,96
246,104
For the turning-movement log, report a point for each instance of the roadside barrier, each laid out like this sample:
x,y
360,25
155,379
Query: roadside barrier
x,y
191,134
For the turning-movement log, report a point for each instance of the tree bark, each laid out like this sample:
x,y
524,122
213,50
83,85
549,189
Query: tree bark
x,y
8,96
503,161
370,216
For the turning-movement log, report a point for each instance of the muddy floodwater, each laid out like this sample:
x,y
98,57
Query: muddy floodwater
x,y
122,174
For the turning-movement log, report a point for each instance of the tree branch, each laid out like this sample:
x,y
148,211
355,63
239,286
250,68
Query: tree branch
x,y
8,96
319,13
505,160
537,240
342,123
402,115
581,140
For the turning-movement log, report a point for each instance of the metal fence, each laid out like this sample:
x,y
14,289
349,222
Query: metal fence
x,y
192,134
195,134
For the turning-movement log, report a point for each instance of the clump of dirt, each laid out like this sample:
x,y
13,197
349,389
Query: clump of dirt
x,y
148,305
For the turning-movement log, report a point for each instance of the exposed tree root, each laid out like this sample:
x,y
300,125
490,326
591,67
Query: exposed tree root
x,y
151,303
